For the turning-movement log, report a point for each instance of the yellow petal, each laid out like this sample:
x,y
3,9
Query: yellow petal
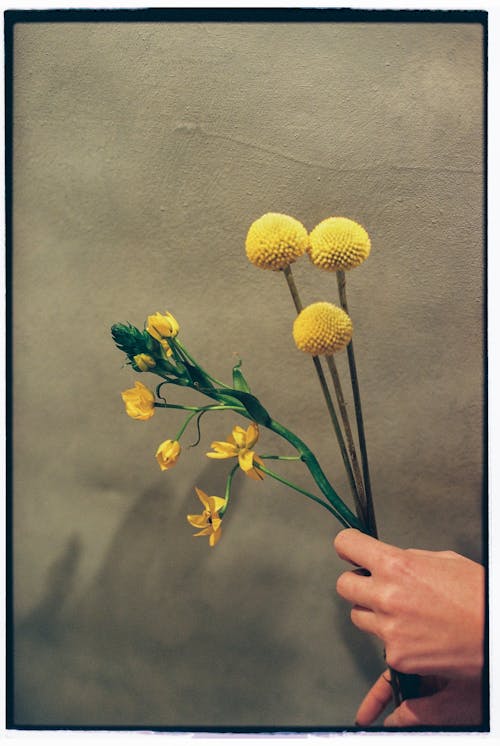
x,y
203,497
255,474
245,458
215,537
252,435
216,523
223,449
198,521
240,436
220,502
205,532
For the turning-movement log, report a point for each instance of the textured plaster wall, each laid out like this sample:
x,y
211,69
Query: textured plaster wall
x,y
142,153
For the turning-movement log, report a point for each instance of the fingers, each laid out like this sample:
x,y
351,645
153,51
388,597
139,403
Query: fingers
x,y
359,549
375,701
459,703
421,711
358,589
365,619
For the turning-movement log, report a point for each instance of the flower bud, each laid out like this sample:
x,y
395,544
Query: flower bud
x,y
144,362
168,454
139,402
162,326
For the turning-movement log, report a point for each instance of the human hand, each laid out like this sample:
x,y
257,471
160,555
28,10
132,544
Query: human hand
x,y
455,702
427,607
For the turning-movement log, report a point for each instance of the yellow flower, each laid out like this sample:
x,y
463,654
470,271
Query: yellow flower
x,y
161,327
209,521
338,244
239,444
144,362
139,402
274,241
322,328
168,454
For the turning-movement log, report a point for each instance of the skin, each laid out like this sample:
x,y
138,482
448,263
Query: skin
x,y
428,609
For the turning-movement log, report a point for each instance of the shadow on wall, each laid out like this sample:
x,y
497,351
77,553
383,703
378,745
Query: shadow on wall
x,y
142,646
157,640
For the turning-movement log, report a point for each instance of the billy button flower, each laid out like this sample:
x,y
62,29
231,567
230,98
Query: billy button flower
x,y
161,327
139,402
322,328
338,244
239,445
275,240
209,522
168,454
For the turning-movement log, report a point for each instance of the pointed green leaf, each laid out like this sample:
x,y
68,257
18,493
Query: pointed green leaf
x,y
239,381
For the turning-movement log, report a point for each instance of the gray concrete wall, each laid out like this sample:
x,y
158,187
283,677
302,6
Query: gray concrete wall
x,y
142,154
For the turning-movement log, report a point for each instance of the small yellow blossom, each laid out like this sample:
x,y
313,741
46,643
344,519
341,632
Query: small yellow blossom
x,y
274,241
139,402
144,362
338,244
168,454
162,327
322,328
209,521
239,445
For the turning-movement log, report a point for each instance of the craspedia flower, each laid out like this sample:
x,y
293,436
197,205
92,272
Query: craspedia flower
x,y
338,244
322,328
274,241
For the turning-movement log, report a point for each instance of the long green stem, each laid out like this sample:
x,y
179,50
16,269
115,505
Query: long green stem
x,y
360,489
308,457
370,511
293,486
328,399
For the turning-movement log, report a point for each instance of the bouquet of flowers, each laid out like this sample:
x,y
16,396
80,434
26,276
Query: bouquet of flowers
x,y
323,329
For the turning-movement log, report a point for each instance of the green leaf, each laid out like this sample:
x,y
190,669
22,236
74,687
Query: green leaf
x,y
250,402
239,381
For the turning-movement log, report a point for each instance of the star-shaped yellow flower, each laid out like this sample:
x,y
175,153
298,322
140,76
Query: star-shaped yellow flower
x,y
239,444
209,521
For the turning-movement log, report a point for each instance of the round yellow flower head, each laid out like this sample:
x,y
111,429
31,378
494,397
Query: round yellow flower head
x,y
322,329
274,241
139,402
338,244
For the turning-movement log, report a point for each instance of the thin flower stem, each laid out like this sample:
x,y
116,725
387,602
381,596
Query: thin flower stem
x,y
186,423
283,458
293,486
194,362
370,510
347,516
209,408
328,399
229,482
360,490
